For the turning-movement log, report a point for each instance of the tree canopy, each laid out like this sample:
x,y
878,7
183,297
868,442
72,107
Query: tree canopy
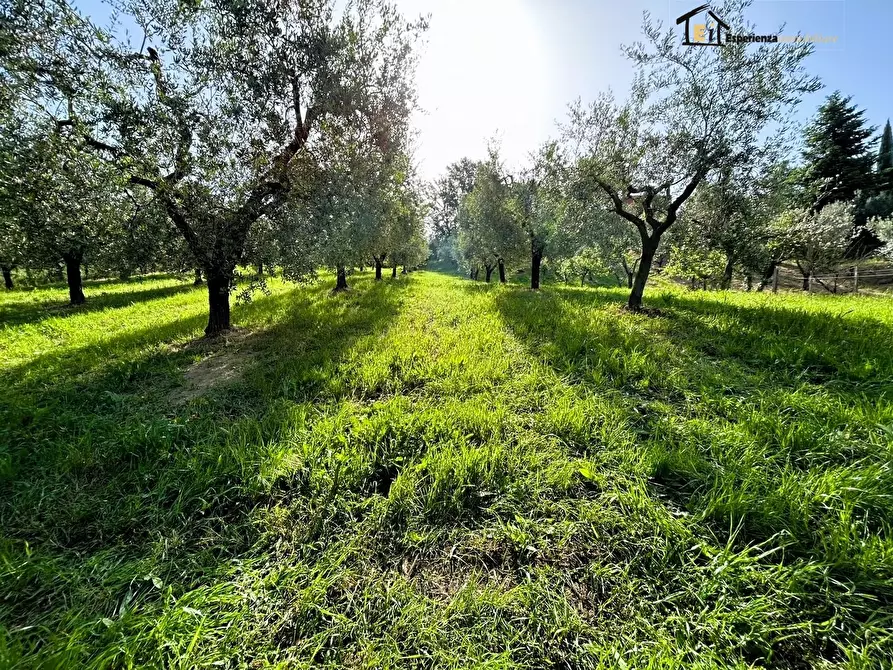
x,y
224,109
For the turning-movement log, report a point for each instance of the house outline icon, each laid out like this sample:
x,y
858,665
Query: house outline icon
x,y
720,24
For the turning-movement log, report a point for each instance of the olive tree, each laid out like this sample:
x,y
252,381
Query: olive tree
x,y
883,228
490,232
818,240
11,243
64,206
220,106
407,244
13,208
444,197
726,224
692,111
542,203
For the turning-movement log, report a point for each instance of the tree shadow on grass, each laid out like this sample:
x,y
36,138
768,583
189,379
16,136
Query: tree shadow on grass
x,y
820,347
703,347
16,313
740,408
100,463
790,344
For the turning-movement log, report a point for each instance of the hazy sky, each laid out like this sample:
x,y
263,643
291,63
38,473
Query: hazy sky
x,y
510,67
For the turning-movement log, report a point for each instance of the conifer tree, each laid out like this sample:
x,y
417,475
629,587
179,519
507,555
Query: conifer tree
x,y
885,155
837,157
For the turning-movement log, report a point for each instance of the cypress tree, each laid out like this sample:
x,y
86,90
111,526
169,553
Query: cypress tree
x,y
885,155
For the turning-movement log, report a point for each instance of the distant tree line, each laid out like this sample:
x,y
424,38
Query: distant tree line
x,y
276,136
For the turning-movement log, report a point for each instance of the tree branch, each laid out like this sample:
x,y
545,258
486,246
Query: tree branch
x,y
673,209
618,208
143,181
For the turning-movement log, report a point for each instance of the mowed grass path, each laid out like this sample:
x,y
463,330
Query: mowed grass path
x,y
428,472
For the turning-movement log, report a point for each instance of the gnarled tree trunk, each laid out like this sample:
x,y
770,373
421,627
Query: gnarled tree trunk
x,y
536,260
727,273
501,265
394,271
219,282
378,261
341,280
630,272
73,276
649,249
488,270
768,273
198,277
807,275
7,277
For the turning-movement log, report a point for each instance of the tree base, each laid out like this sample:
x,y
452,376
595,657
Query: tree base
x,y
221,334
216,337
644,311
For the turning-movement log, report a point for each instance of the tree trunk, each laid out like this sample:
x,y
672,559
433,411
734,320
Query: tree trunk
x,y
218,302
768,273
260,268
488,269
727,273
649,248
536,259
630,273
198,277
341,282
748,283
501,265
475,273
377,270
394,271
404,272
7,277
73,275
806,276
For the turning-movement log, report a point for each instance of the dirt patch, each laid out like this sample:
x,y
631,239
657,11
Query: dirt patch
x,y
226,359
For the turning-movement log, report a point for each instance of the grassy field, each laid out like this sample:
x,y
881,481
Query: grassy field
x,y
430,472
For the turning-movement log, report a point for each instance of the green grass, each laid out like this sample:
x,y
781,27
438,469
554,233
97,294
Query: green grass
x,y
430,472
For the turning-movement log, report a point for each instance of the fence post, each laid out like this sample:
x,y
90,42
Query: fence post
x,y
856,279
775,280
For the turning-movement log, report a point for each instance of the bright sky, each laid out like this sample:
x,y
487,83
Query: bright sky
x,y
508,68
